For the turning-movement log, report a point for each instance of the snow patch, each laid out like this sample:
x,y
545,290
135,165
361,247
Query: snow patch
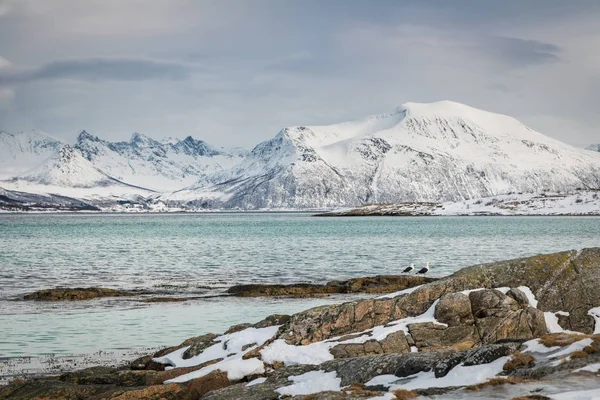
x,y
312,382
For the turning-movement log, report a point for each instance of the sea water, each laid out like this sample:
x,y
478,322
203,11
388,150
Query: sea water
x,y
203,254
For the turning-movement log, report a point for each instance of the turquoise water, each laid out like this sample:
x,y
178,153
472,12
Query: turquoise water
x,y
198,254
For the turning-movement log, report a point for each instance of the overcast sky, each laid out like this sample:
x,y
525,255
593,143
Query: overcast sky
x,y
234,73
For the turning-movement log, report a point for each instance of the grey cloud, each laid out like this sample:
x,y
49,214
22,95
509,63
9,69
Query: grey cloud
x,y
101,69
519,52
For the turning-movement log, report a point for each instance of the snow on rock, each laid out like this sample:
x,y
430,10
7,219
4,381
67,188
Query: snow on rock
x,y
595,313
399,293
458,376
312,382
530,297
589,368
256,382
229,348
441,151
552,321
318,352
593,147
591,394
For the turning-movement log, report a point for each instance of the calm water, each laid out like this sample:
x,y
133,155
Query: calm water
x,y
195,254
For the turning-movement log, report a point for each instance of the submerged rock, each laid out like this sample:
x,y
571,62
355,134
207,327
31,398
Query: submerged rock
x,y
372,284
58,294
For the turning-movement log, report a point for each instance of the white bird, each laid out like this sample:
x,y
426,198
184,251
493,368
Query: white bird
x,y
408,269
424,270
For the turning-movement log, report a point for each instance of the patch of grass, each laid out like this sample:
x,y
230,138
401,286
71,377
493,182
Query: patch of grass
x,y
532,397
402,394
562,339
518,360
511,380
357,390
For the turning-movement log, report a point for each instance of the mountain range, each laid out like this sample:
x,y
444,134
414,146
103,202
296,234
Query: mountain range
x,y
442,151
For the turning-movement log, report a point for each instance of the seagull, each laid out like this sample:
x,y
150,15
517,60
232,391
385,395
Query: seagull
x,y
408,269
424,270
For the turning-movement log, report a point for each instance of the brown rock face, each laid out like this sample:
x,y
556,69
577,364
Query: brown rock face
x,y
394,343
454,309
429,335
201,386
60,294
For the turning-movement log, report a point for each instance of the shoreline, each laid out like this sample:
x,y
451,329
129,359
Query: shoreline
x,y
436,325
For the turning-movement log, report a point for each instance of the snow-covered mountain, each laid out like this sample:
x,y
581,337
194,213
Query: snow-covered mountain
x,y
165,165
68,168
19,152
593,147
442,151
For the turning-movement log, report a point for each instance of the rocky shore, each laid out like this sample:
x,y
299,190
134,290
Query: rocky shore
x,y
372,284
526,329
580,202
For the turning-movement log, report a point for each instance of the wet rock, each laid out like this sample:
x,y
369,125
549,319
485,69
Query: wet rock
x,y
59,294
454,309
373,284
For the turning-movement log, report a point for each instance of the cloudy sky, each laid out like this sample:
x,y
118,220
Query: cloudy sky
x,y
234,72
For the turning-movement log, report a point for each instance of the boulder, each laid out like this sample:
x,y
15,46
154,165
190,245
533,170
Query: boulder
x,y
491,303
429,335
454,309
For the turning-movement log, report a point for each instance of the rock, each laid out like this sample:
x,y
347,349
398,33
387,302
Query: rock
x,y
491,303
171,391
520,297
420,362
197,345
373,284
394,343
430,335
490,353
481,355
59,294
214,380
521,324
454,309
49,389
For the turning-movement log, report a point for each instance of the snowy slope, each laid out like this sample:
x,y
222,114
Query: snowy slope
x,y
66,174
441,151
22,151
169,164
67,168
